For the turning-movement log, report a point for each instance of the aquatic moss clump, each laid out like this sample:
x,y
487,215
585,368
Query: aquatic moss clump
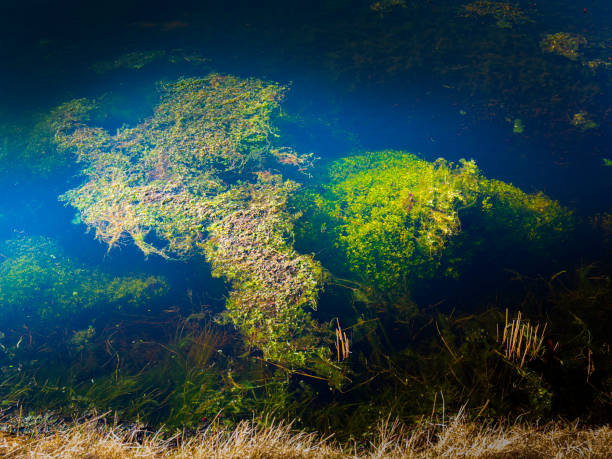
x,y
563,43
583,121
538,218
41,285
504,13
174,173
272,283
396,219
391,214
32,147
137,60
193,179
536,227
383,7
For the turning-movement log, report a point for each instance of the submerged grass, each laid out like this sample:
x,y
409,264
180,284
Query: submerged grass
x,y
458,438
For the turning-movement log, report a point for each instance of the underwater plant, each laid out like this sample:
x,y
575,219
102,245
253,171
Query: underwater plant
x,y
192,179
383,7
272,284
40,285
564,44
505,14
390,214
174,173
395,219
136,60
521,340
174,372
32,145
583,121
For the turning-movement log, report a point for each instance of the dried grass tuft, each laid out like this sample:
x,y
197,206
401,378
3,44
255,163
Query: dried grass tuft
x,y
457,439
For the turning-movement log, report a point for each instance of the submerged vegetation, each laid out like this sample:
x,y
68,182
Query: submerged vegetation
x,y
379,283
192,178
505,14
41,287
395,219
32,147
137,60
563,43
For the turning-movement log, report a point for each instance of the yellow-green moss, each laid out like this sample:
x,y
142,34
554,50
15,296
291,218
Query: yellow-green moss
x,y
40,282
392,216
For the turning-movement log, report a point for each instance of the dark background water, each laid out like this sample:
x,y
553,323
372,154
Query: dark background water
x,y
397,80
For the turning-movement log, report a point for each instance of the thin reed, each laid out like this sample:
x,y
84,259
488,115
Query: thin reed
x,y
520,340
342,343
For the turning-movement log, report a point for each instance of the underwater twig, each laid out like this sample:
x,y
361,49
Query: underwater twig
x,y
292,371
446,344
484,407
363,383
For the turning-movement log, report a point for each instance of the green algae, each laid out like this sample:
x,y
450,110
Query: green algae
x,y
41,284
193,178
393,218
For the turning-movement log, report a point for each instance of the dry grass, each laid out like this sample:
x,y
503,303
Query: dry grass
x,y
458,439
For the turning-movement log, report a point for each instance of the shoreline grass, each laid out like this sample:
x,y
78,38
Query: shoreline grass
x,y
97,439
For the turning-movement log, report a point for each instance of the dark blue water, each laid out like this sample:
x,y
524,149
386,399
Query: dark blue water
x,y
395,81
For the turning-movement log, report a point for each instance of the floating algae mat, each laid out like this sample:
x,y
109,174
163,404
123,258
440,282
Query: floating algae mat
x,y
329,214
